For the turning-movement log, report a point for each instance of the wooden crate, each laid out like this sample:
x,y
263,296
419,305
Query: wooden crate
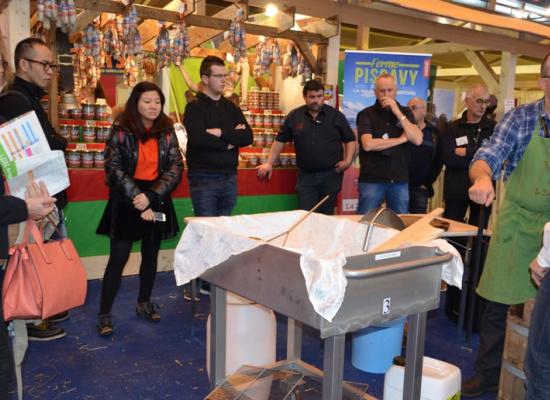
x,y
515,344
512,377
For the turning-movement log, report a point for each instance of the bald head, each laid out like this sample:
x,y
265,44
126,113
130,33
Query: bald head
x,y
477,100
418,108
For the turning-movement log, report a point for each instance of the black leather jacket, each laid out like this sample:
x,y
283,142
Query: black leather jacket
x,y
121,155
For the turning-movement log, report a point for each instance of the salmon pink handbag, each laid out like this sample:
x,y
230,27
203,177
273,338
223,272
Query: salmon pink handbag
x,y
42,279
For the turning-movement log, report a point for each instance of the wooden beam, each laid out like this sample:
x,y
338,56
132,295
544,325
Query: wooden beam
x,y
197,20
520,70
363,35
483,68
308,54
507,81
53,109
389,21
431,48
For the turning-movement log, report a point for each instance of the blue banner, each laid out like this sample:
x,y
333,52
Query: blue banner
x,y
361,68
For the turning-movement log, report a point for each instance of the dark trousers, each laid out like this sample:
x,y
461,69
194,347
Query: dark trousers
x,y
491,342
418,200
313,186
455,209
6,358
120,251
537,360
212,194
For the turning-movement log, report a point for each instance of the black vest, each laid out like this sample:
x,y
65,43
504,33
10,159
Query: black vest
x,y
389,165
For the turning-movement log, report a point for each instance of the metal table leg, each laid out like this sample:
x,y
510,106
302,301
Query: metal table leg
x,y
293,340
465,285
414,356
217,335
333,367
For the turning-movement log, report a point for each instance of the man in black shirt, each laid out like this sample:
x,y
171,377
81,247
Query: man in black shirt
x,y
385,131
426,161
325,146
34,68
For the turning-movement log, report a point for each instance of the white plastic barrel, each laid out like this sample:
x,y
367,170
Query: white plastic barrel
x,y
440,381
251,335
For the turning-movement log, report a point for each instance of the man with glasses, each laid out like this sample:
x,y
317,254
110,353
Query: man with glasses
x,y
216,128
522,140
461,139
34,68
386,131
426,161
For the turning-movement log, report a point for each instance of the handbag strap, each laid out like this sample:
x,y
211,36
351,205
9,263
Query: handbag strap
x,y
32,229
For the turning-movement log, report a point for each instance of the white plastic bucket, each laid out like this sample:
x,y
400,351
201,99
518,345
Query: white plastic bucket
x,y
440,381
251,335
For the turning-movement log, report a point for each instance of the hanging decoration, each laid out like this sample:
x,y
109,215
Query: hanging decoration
x,y
237,34
163,47
61,13
290,61
111,39
304,70
267,53
180,44
131,37
88,57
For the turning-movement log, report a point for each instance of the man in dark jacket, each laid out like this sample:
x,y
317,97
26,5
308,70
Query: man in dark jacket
x,y
13,210
461,140
216,128
426,162
34,68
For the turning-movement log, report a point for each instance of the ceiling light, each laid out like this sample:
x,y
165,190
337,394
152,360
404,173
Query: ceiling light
x,y
271,10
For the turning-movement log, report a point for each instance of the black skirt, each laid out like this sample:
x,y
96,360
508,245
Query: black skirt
x,y
122,221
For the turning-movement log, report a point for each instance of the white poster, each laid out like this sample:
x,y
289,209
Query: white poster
x,y
25,155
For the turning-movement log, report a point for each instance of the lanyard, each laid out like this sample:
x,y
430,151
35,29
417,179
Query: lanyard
x,y
544,126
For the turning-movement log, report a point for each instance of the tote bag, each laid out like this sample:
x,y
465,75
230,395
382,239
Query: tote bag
x,y
42,279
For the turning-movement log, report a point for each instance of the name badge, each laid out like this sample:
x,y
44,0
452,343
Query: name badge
x,y
462,141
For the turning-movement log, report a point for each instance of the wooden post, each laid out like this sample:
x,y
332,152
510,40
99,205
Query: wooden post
x,y
15,22
53,108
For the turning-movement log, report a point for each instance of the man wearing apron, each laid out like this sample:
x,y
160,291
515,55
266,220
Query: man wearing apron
x,y
521,139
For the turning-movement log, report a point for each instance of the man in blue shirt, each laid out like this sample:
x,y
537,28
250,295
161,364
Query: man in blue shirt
x,y
522,140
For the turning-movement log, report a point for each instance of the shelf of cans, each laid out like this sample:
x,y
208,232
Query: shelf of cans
x,y
265,119
86,128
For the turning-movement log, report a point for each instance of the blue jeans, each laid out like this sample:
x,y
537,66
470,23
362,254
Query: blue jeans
x,y
418,200
537,360
372,194
212,194
313,186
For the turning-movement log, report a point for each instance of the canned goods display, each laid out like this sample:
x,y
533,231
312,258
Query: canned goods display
x,y
262,158
65,131
285,159
75,113
292,160
75,133
260,140
87,159
89,134
268,139
74,160
252,160
101,112
99,159
268,121
88,111
63,112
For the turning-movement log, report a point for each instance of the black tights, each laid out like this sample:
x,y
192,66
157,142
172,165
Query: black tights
x,y
120,251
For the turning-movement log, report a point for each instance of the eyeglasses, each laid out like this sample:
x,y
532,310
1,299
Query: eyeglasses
x,y
218,76
414,108
482,101
47,65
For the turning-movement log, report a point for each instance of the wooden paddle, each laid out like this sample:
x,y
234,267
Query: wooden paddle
x,y
419,232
